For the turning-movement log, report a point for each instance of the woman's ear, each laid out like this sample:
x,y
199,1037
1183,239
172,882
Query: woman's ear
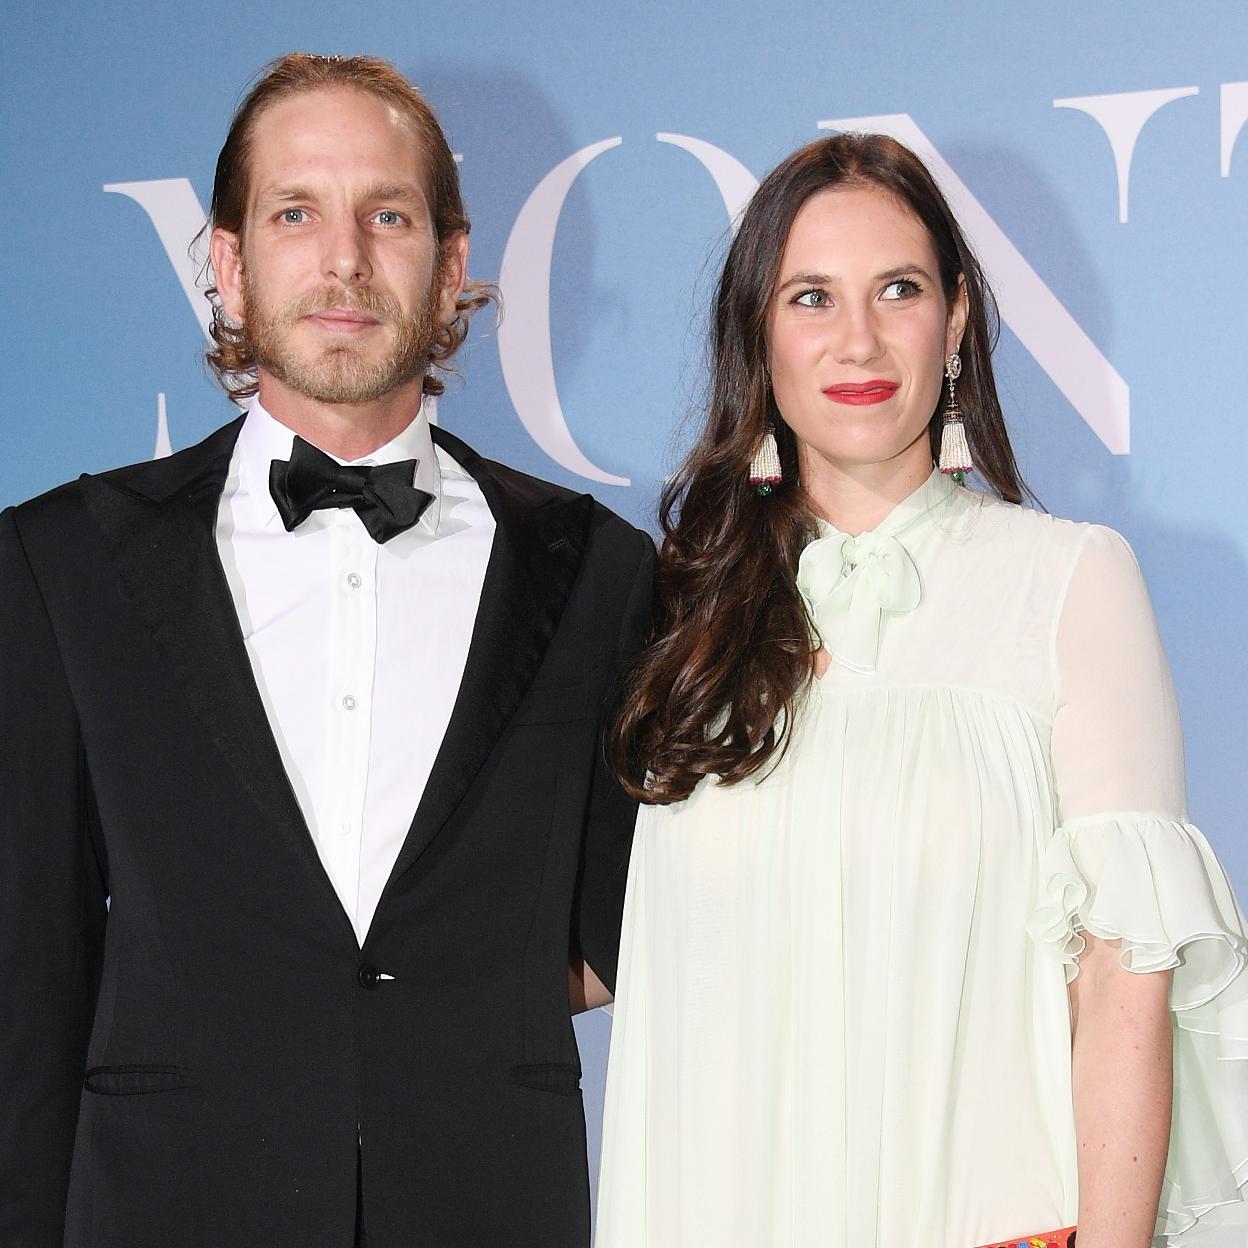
x,y
955,323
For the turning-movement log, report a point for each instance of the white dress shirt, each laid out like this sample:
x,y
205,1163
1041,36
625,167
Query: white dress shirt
x,y
357,648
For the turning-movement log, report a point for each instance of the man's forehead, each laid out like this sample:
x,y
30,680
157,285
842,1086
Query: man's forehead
x,y
321,106
326,136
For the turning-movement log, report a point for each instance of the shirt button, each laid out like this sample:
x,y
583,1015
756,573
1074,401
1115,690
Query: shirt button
x,y
348,703
354,580
343,826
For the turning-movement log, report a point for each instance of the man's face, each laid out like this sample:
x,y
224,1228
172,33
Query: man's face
x,y
338,280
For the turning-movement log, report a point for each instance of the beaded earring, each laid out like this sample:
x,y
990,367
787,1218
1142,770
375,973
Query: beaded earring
x,y
955,453
765,470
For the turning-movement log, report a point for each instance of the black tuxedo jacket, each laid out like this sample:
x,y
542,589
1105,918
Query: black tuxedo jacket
x,y
201,1063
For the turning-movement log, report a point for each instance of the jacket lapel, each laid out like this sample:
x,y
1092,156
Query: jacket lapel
x,y
158,520
539,541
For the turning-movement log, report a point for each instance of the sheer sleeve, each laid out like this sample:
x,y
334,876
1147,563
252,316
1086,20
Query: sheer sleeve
x,y
1125,864
1117,744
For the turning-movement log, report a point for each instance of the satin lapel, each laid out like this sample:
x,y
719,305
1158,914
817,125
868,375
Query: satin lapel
x,y
159,522
539,540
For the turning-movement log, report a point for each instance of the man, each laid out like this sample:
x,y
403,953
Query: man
x,y
305,808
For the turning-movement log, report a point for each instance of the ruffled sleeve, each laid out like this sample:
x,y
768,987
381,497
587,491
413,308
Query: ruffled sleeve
x,y
1125,864
1155,884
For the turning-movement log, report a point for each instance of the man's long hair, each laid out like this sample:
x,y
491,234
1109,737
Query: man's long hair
x,y
715,692
231,357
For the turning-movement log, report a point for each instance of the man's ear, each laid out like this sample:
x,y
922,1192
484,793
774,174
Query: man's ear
x,y
955,323
452,275
226,250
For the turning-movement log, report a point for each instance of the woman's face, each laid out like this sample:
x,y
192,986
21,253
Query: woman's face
x,y
858,333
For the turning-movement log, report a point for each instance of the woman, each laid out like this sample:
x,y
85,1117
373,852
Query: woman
x,y
913,899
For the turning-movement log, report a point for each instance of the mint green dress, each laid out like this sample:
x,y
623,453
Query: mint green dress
x,y
842,1017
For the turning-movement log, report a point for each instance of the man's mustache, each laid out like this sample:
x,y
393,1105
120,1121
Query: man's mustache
x,y
363,300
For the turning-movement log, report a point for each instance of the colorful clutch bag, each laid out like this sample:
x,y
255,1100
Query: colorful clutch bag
x,y
1051,1239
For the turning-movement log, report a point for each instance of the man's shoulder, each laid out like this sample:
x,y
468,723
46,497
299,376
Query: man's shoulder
x,y
611,537
152,478
540,492
536,492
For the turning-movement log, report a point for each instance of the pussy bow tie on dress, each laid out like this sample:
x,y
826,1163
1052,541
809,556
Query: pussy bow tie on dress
x,y
383,495
848,583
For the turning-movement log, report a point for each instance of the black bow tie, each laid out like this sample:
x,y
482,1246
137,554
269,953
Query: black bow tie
x,y
383,496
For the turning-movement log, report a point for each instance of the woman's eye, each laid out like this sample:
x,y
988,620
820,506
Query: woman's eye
x,y
812,299
294,216
387,216
903,288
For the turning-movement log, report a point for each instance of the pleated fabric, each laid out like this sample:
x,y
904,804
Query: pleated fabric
x,y
842,1015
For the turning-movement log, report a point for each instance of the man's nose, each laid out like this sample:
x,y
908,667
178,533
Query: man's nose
x,y
346,253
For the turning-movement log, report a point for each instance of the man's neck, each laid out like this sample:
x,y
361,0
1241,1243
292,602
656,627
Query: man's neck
x,y
348,431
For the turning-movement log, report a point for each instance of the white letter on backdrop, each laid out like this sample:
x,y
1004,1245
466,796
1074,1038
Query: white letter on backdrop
x,y
1234,114
174,209
1122,116
524,335
733,180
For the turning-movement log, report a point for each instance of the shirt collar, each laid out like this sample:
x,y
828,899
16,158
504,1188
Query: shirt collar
x,y
263,439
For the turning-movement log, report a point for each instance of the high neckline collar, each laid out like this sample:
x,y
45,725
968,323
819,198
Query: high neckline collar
x,y
932,494
853,583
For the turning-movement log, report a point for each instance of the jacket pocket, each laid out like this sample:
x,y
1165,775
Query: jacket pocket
x,y
137,1080
562,1078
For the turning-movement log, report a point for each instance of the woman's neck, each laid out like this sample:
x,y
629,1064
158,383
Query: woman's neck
x,y
854,498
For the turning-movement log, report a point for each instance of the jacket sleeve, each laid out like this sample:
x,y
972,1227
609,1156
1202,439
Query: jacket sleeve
x,y
53,910
611,812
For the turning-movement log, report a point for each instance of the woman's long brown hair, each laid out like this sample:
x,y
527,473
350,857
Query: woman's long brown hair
x,y
715,692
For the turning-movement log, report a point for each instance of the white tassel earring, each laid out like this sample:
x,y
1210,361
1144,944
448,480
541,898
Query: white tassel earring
x,y
765,471
955,453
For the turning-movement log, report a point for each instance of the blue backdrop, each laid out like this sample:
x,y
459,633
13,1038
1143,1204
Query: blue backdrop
x,y
1096,153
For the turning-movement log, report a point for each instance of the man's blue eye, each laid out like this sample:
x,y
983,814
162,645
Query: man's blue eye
x,y
387,216
292,216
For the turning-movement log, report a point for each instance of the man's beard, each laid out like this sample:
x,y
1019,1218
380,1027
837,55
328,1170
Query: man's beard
x,y
343,372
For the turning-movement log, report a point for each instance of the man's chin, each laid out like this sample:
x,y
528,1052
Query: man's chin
x,y
344,372
332,375
346,386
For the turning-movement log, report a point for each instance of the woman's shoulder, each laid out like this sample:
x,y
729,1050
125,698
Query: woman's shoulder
x,y
1021,531
1033,557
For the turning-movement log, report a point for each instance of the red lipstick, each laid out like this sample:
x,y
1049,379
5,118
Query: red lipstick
x,y
862,393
